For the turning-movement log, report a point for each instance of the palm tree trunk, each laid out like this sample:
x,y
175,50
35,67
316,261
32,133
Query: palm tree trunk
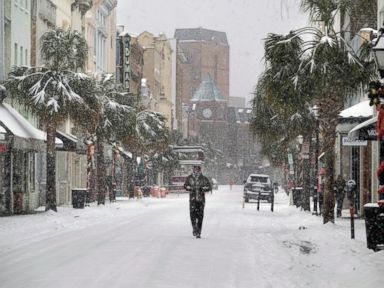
x,y
307,180
51,165
100,168
329,111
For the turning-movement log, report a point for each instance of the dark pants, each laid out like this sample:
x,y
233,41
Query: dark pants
x,y
339,205
321,201
196,211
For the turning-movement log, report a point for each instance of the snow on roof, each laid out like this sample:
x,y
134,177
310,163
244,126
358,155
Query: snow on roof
x,y
363,124
126,153
187,148
125,33
361,109
368,30
21,127
191,162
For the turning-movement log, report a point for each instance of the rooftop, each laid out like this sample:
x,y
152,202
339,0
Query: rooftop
x,y
201,34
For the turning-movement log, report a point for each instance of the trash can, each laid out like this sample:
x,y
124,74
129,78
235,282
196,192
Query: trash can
x,y
79,197
156,191
296,196
163,192
374,226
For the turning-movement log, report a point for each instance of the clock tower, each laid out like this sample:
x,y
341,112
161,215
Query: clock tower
x,y
209,113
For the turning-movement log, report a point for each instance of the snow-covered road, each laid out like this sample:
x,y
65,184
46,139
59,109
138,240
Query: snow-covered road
x,y
149,243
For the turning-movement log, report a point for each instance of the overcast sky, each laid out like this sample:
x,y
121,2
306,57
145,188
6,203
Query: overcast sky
x,y
246,22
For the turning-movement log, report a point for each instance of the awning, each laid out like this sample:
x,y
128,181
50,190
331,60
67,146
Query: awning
x,y
27,137
69,141
126,153
360,110
122,150
365,130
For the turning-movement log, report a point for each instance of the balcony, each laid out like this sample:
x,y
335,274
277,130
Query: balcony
x,y
84,5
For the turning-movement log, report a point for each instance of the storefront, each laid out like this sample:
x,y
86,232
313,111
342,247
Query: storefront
x,y
20,143
354,157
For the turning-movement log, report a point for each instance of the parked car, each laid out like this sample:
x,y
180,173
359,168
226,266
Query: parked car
x,y
215,185
258,185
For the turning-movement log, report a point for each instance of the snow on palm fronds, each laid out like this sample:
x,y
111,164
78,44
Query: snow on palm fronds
x,y
64,49
328,40
113,115
52,88
150,126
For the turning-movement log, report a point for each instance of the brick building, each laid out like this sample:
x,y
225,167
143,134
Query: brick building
x,y
200,52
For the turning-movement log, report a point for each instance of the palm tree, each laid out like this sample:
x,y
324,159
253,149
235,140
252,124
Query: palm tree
x,y
113,119
280,104
52,90
335,69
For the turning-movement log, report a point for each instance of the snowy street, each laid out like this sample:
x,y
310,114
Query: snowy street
x,y
149,243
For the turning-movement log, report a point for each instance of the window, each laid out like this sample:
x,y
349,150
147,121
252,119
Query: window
x,y
259,179
15,55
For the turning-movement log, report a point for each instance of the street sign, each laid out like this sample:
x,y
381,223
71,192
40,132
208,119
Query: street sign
x,y
290,159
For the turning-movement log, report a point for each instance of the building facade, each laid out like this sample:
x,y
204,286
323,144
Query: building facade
x,y
100,33
357,160
129,61
157,70
200,52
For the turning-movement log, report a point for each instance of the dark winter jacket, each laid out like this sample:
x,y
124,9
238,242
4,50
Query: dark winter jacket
x,y
197,186
340,188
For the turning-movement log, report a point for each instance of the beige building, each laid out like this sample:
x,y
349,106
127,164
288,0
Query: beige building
x,y
100,32
157,71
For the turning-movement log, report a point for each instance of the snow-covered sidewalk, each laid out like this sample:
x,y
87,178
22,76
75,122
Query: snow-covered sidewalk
x,y
149,243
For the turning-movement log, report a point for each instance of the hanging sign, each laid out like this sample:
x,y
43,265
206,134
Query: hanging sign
x,y
3,148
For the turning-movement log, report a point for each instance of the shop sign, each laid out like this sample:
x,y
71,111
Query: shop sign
x,y
354,142
3,148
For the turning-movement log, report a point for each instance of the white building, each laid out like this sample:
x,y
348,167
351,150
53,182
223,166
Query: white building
x,y
20,32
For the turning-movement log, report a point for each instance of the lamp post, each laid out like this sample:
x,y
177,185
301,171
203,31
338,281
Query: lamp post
x,y
188,110
374,219
378,51
315,192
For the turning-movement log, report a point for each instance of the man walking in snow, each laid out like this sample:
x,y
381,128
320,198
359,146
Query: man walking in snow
x,y
197,184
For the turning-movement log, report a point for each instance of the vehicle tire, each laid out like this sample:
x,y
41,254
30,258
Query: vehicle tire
x,y
246,200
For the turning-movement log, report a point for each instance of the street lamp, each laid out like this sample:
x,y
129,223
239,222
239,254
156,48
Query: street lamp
x,y
378,52
300,139
315,192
